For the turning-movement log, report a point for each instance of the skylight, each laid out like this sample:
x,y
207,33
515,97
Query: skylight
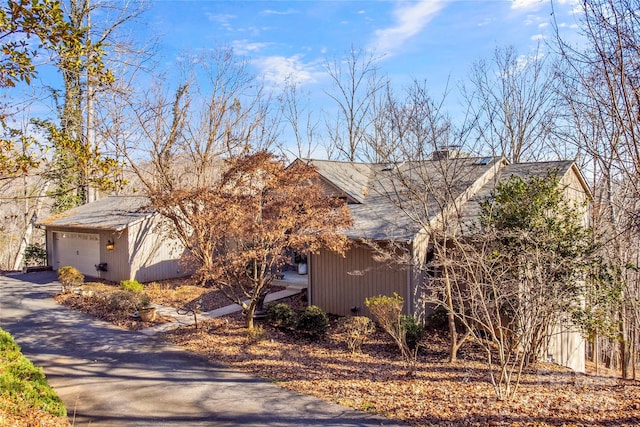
x,y
483,161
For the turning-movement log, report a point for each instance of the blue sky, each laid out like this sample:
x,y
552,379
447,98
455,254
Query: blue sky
x,y
432,40
436,40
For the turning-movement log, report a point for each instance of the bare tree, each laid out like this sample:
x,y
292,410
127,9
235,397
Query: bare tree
x,y
602,96
518,274
513,98
219,110
426,180
297,113
355,84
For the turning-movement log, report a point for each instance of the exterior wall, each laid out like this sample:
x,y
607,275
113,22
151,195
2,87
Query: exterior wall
x,y
337,284
567,348
141,252
575,191
566,344
116,259
153,255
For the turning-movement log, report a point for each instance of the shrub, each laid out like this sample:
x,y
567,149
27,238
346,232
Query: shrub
x,y
143,300
281,315
388,312
22,385
356,330
438,319
131,285
413,331
313,322
69,277
122,301
35,254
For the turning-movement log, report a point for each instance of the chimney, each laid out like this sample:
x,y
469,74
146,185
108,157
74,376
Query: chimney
x,y
448,152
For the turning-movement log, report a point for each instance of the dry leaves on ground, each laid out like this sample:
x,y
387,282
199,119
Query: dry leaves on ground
x,y
32,418
440,393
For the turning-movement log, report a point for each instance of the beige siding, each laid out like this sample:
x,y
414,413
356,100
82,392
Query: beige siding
x,y
336,284
153,254
566,344
116,259
567,348
141,252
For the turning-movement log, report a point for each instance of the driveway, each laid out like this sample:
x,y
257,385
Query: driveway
x,y
107,376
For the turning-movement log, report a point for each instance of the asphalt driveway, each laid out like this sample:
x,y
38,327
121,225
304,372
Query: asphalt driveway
x,y
111,377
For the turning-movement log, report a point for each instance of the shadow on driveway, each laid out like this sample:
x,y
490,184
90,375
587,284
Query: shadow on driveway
x,y
109,376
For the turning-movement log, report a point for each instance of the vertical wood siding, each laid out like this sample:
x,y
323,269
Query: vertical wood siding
x,y
116,259
153,255
142,252
575,193
337,284
567,347
108,256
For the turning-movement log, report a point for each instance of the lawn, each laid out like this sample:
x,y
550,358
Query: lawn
x,y
375,380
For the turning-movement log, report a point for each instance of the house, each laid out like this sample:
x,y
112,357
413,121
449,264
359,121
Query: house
x,y
384,215
115,238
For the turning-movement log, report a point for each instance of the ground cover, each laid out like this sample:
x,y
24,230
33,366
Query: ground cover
x,y
374,380
26,399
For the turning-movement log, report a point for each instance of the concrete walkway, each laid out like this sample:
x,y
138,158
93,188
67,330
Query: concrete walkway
x,y
293,285
112,377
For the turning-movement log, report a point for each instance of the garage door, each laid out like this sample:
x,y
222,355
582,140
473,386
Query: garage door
x,y
80,250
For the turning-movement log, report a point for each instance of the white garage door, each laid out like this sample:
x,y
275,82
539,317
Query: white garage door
x,y
80,250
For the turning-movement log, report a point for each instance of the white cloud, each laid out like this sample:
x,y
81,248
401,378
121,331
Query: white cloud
x,y
532,20
289,11
222,19
410,20
278,69
526,4
244,47
538,37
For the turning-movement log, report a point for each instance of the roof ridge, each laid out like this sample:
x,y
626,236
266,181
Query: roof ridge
x,y
349,162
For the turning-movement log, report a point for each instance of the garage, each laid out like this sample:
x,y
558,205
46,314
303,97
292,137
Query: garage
x,y
80,250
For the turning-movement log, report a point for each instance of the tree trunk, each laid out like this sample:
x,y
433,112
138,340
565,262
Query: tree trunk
x,y
249,316
596,354
624,350
453,333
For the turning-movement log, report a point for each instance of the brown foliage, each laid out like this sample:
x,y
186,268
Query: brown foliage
x,y
240,230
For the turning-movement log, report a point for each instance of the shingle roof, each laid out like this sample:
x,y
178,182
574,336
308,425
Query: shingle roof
x,y
385,211
110,213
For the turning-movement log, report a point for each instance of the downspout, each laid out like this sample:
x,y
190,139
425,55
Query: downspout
x,y
410,307
310,277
